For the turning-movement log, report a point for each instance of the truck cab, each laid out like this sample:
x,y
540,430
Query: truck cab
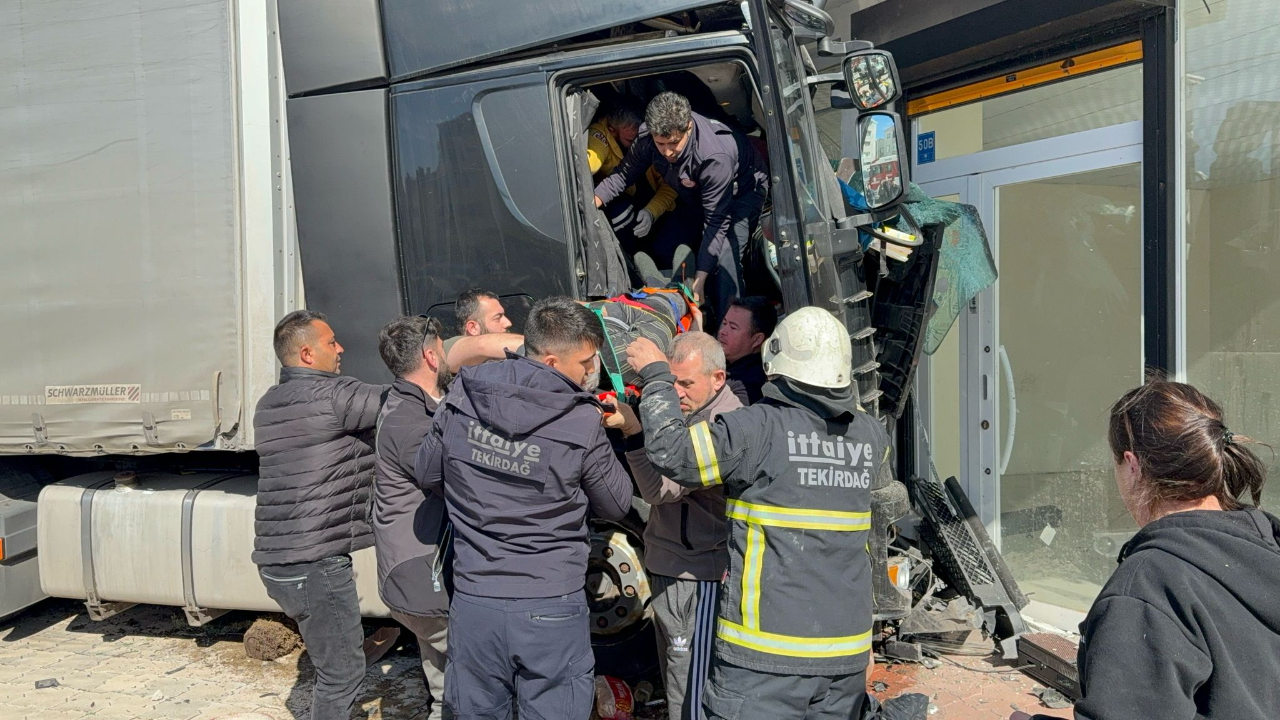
x,y
427,161
435,165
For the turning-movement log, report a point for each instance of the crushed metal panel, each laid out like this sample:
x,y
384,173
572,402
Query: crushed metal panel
x,y
119,294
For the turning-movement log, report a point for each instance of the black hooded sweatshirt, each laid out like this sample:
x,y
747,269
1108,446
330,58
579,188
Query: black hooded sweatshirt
x,y
521,454
1189,625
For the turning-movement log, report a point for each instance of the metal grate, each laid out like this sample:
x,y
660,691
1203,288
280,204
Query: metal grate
x,y
962,556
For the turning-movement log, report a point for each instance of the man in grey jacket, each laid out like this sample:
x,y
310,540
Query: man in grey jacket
x,y
410,530
685,541
315,448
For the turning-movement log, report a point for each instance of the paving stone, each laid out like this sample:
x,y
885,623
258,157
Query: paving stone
x,y
89,681
37,699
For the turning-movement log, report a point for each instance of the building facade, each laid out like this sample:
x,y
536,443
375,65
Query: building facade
x,y
1125,159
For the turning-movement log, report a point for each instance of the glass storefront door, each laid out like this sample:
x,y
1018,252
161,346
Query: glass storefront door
x,y
1042,354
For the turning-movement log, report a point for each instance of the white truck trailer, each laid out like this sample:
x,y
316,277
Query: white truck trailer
x,y
146,250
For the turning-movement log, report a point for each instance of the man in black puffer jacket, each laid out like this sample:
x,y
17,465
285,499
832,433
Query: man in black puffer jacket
x,y
315,446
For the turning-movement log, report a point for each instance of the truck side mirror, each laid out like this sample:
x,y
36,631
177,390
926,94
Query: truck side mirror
x,y
882,148
872,79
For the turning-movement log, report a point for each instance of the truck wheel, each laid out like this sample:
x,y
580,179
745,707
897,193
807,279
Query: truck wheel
x,y
271,637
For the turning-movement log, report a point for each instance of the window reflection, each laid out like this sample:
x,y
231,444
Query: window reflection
x,y
1233,213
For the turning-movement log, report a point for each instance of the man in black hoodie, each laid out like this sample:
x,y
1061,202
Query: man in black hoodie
x,y
520,450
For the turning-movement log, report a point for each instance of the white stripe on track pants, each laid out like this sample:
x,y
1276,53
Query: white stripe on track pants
x,y
684,612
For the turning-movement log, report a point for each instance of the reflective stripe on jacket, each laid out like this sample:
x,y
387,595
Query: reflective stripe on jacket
x,y
798,596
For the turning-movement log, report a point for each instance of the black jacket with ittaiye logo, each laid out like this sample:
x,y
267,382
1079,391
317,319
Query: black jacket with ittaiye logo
x,y
1189,624
521,454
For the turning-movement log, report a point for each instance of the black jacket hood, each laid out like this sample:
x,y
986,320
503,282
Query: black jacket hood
x,y
1238,549
517,396
826,403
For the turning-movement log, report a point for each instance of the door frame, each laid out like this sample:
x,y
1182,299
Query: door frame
x,y
975,178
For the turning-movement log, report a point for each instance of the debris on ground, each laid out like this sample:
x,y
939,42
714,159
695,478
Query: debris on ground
x,y
643,692
909,706
377,645
1053,699
268,638
613,699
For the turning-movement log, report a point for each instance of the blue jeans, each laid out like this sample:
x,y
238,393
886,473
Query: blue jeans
x,y
321,598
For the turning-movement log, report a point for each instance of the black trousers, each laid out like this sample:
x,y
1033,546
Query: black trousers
x,y
538,650
321,598
736,693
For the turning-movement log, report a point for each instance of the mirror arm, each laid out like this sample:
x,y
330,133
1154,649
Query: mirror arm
x,y
863,220
825,78
839,48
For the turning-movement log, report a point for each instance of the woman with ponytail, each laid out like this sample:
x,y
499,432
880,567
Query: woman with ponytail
x,y
1189,624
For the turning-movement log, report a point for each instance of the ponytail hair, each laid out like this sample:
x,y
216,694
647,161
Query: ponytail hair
x,y
1183,447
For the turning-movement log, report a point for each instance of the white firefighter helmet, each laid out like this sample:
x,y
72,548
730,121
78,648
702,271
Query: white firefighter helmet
x,y
810,346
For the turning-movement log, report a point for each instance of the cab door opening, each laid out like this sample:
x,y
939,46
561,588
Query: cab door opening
x,y
722,90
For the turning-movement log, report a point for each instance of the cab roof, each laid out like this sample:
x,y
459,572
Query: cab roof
x,y
337,45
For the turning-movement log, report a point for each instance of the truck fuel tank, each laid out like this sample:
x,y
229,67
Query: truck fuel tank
x,y
116,539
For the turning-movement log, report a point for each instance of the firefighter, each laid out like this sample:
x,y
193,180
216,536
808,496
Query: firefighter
x,y
794,629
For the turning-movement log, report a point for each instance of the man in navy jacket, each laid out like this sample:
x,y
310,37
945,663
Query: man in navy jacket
x,y
520,450
720,180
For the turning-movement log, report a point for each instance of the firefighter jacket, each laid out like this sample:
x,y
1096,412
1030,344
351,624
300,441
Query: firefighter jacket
x,y
603,155
797,475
